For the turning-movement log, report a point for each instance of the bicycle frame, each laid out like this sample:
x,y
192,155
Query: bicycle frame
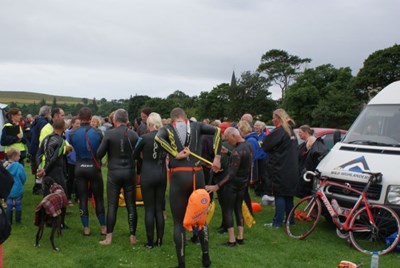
x,y
335,216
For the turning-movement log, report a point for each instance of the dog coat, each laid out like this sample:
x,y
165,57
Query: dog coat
x,y
52,203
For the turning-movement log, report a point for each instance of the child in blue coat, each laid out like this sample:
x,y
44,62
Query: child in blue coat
x,y
16,169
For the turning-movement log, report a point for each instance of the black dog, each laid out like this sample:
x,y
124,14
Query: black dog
x,y
50,210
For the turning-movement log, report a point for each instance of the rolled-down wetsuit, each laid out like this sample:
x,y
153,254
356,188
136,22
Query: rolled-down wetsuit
x,y
174,138
86,141
119,144
153,183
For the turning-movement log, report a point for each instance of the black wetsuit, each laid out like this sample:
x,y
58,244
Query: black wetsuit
x,y
153,182
51,151
119,144
52,148
181,181
85,141
235,183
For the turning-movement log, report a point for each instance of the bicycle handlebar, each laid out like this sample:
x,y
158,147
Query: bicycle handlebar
x,y
375,176
309,173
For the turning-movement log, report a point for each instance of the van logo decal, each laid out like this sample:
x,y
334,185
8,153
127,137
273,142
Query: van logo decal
x,y
356,165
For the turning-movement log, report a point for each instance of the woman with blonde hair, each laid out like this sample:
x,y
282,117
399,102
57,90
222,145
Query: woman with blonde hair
x,y
282,165
153,180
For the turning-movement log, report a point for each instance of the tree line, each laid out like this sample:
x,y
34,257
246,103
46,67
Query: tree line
x,y
324,96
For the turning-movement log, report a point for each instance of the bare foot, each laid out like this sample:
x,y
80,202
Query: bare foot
x,y
106,241
165,214
103,230
132,240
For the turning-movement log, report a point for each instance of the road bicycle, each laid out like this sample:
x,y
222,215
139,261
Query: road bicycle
x,y
366,226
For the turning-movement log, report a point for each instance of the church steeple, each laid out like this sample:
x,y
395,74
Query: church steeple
x,y
233,80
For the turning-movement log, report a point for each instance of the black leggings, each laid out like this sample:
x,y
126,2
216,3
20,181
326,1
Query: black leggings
x,y
153,192
87,175
181,186
117,180
232,203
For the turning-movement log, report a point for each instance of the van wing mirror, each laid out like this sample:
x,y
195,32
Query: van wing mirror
x,y
337,136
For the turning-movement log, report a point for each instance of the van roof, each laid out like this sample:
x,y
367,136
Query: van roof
x,y
388,95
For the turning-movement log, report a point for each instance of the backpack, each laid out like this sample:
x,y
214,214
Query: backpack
x,y
5,226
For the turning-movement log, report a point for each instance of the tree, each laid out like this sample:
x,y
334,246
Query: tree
x,y
42,102
379,70
281,68
161,106
322,97
85,101
135,104
54,102
250,95
213,104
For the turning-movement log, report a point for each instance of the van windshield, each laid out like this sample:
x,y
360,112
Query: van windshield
x,y
377,125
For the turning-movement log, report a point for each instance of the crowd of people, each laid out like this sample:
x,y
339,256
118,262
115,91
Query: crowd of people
x,y
223,157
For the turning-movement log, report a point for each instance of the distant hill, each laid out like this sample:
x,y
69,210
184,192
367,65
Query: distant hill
x,y
21,97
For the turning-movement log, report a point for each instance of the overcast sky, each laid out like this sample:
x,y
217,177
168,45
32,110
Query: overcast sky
x,y
118,48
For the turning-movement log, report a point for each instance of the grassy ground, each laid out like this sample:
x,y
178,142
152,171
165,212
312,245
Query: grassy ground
x,y
263,247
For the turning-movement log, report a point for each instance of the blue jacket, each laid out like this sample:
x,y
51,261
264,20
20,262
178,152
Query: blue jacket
x,y
18,173
37,125
258,153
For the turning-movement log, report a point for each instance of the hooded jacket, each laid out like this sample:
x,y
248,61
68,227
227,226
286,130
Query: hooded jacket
x,y
18,172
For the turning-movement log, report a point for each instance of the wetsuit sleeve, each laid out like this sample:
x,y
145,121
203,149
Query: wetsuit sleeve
x,y
54,150
162,136
234,164
102,150
138,148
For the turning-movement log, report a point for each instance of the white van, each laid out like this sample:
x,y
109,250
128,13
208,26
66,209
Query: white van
x,y
372,144
2,121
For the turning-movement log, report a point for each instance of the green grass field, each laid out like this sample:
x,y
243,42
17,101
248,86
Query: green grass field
x,y
263,247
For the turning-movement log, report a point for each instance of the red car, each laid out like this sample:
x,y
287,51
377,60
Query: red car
x,y
325,133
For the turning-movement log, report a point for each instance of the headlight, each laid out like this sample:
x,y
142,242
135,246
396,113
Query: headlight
x,y
393,195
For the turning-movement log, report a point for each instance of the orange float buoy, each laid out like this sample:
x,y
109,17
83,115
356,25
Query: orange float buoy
x,y
256,207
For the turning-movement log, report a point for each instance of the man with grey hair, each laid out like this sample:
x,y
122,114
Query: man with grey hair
x,y
235,183
42,120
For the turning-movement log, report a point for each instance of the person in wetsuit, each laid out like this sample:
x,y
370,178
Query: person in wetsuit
x,y
119,144
51,159
88,178
153,180
235,183
179,139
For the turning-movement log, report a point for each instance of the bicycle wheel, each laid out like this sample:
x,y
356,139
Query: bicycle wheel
x,y
304,217
369,238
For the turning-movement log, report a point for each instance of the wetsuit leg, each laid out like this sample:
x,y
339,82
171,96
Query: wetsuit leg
x,y
181,186
159,208
97,187
82,189
113,190
229,204
148,193
129,186
240,192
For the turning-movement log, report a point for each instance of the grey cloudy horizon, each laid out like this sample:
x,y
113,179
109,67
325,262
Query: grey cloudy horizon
x,y
117,49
